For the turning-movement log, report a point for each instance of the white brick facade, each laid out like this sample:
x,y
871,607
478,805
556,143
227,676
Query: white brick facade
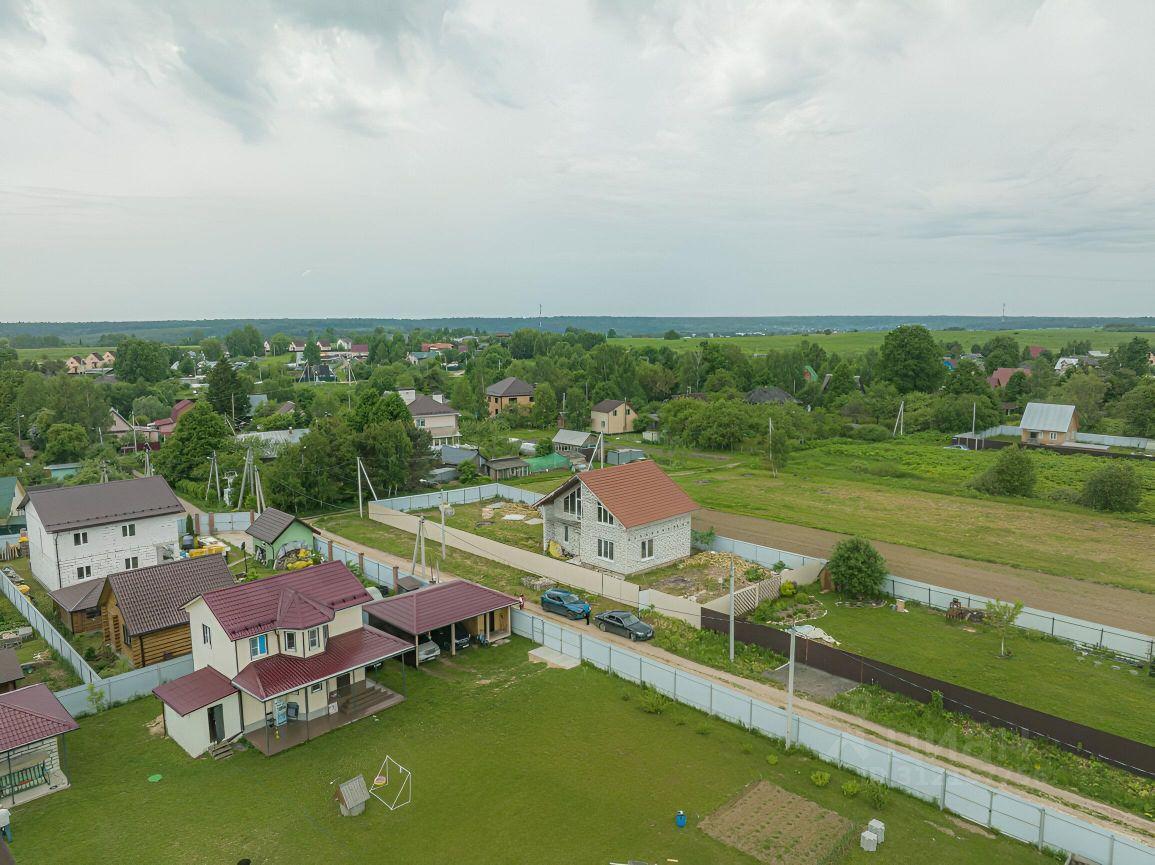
x,y
58,560
580,537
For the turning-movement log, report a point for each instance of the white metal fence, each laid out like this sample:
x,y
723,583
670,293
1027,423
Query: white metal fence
x,y
1084,437
126,686
44,628
1128,643
966,797
379,572
462,496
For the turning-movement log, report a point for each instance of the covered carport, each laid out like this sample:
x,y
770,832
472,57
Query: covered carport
x,y
456,604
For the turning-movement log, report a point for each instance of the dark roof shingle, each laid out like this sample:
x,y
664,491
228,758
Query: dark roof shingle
x,y
438,605
10,669
253,608
510,386
153,598
608,405
31,714
79,596
195,691
426,405
64,508
270,525
280,674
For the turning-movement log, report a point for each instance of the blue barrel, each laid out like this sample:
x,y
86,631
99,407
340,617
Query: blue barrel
x,y
680,819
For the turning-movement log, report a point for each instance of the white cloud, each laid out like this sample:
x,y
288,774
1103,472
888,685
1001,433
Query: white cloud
x,y
479,156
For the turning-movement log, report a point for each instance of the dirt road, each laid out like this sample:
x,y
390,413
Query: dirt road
x,y
1107,605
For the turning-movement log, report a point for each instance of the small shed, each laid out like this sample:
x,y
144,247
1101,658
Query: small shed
x,y
276,533
442,475
503,468
621,456
78,605
483,612
32,756
10,670
547,463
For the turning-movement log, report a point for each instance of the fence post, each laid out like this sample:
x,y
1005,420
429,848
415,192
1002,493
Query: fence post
x,y
1042,825
942,795
212,523
991,808
361,561
330,551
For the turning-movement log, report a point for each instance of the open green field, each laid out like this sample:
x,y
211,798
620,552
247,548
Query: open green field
x,y
512,763
61,352
912,491
859,341
1043,674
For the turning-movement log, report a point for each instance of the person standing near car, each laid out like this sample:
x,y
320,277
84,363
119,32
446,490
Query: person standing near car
x,y
587,615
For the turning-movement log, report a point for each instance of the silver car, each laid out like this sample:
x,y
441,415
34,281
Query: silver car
x,y
428,651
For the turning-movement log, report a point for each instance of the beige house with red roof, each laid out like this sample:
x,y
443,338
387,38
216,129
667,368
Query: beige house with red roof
x,y
624,519
279,661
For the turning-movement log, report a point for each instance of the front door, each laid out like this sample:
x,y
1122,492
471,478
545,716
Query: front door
x,y
343,680
216,723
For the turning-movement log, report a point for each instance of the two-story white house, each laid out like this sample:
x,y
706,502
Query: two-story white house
x,y
279,661
85,532
624,519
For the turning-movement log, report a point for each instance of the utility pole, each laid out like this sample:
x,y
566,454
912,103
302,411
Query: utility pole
x,y
974,416
103,472
147,463
899,422
770,445
790,695
731,603
444,505
360,502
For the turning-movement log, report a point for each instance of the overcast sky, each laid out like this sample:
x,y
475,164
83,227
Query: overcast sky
x,y
372,157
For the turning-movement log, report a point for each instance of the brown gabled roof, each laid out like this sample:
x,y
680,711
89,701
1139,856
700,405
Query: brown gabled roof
x,y
270,525
608,405
253,608
438,605
195,691
31,714
10,669
153,598
64,508
79,596
280,673
636,493
427,405
510,386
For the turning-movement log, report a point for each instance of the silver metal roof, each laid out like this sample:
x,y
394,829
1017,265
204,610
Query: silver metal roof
x,y
1048,417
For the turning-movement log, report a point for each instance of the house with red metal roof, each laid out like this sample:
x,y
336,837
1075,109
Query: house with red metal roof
x,y
278,661
32,754
624,519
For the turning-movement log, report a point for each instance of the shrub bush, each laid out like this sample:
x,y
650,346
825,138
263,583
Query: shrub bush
x,y
1114,487
803,598
857,568
851,789
788,589
702,540
772,759
877,794
778,567
1013,474
654,702
820,779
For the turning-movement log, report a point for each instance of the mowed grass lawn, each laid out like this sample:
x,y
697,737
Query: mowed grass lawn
x,y
468,518
512,763
1043,674
859,341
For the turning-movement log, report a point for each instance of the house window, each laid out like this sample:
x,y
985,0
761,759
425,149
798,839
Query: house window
x,y
79,538
615,412
1054,436
605,550
647,549
132,562
314,638
290,641
258,646
603,424
316,687
84,572
565,533
572,504
604,516
124,634
128,531
206,635
420,422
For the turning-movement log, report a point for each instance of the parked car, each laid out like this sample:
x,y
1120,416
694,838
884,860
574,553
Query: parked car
x,y
564,603
428,651
443,637
625,623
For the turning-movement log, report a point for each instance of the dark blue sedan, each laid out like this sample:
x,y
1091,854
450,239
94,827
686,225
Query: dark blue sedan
x,y
564,603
